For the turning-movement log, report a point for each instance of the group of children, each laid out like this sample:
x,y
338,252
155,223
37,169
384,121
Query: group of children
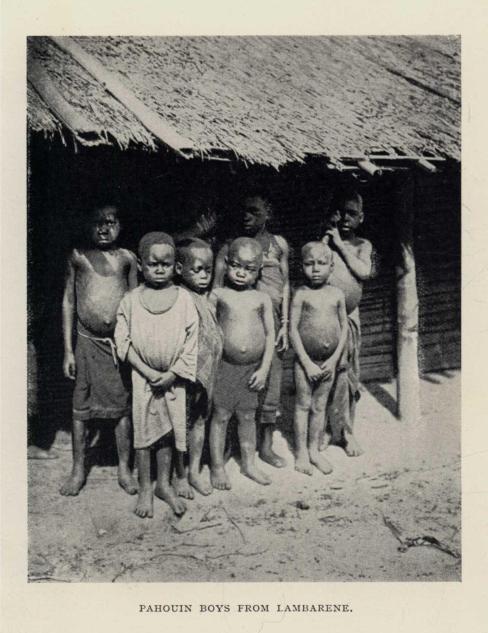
x,y
205,342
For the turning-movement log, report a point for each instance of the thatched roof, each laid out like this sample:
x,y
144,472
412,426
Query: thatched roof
x,y
267,100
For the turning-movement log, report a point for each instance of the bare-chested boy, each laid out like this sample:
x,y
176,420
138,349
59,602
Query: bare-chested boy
x,y
352,256
274,281
97,279
246,318
318,331
194,265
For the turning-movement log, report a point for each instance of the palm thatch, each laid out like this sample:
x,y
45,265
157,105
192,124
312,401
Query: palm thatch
x,y
268,100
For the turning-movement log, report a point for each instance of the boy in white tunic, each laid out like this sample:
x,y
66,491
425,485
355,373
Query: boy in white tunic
x,y
156,332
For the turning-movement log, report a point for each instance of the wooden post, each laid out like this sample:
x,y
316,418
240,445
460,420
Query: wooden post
x,y
408,382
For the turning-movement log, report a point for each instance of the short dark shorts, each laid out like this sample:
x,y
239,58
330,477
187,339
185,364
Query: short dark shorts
x,y
231,387
197,403
102,390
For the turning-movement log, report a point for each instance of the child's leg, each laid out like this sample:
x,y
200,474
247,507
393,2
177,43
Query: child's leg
x,y
144,506
76,480
246,430
340,415
196,441
218,433
123,439
303,402
320,395
180,480
164,490
269,404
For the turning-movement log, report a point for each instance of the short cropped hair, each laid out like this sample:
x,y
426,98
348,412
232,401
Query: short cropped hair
x,y
155,237
247,242
185,246
309,245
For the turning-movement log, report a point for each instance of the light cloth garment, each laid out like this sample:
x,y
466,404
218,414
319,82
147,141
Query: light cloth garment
x,y
165,341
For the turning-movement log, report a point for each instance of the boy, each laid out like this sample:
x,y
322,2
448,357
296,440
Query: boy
x,y
352,257
274,281
194,265
156,332
318,330
97,279
246,318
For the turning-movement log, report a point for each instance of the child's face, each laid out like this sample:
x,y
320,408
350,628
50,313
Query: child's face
x,y
254,215
158,265
346,218
196,270
243,266
317,265
104,228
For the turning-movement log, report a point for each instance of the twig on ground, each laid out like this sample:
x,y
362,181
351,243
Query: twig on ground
x,y
196,528
234,523
237,553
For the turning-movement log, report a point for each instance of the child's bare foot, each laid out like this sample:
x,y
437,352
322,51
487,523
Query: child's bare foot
x,y
166,493
219,479
320,462
182,487
351,446
74,483
256,475
127,481
325,442
144,505
303,465
271,458
34,452
199,483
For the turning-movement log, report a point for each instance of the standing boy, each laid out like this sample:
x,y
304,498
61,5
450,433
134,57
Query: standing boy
x,y
274,281
352,266
97,279
194,265
318,330
246,318
157,332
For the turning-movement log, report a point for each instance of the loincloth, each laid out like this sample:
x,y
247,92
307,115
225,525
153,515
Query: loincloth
x,y
231,387
349,361
101,387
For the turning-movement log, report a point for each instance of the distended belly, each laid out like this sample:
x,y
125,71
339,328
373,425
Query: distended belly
x,y
243,346
319,341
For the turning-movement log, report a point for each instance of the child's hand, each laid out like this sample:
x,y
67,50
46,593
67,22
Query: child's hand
x,y
165,381
69,366
282,339
314,372
257,381
335,236
328,369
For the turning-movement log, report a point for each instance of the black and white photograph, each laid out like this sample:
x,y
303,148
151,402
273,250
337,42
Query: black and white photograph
x,y
244,308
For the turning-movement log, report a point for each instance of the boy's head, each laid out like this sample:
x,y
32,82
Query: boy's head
x,y
104,226
256,211
244,261
157,258
194,263
346,213
317,263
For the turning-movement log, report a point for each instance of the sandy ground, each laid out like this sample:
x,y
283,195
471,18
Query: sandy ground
x,y
350,525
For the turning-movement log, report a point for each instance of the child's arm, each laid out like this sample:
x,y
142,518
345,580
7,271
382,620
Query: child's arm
x,y
313,371
359,263
125,350
282,338
330,364
69,364
185,365
219,270
132,276
257,381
